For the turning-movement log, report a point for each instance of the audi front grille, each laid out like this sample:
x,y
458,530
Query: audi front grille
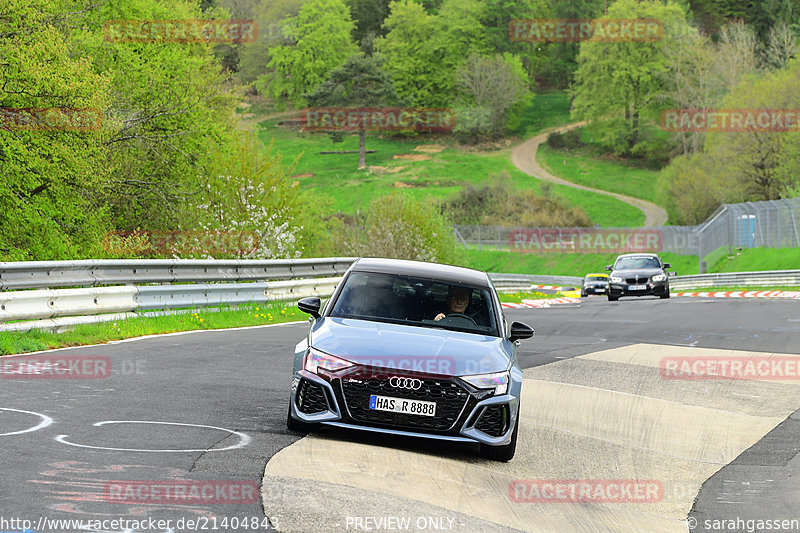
x,y
450,397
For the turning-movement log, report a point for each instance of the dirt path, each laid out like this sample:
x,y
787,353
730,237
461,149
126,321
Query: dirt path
x,y
524,158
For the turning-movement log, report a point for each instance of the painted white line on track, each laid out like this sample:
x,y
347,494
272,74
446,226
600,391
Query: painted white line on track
x,y
244,439
46,421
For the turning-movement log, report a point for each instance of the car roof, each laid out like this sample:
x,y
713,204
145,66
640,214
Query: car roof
x,y
438,271
598,275
640,254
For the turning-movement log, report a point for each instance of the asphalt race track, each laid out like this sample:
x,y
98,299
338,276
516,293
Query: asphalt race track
x,y
208,409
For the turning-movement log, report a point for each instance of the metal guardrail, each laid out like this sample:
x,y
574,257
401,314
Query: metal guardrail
x,y
522,281
96,272
51,308
777,278
239,282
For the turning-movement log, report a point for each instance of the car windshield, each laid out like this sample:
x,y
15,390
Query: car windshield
x,y
416,301
596,278
629,263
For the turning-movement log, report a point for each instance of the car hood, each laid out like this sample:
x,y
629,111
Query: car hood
x,y
421,349
641,272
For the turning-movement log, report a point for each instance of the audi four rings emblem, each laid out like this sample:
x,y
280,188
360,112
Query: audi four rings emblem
x,y
405,383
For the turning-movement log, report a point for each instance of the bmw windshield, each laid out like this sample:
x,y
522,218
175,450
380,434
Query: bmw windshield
x,y
631,263
414,301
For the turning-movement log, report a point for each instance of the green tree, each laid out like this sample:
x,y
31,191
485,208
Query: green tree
x,y
49,206
320,40
618,84
495,90
368,16
497,14
360,82
411,55
691,187
562,60
459,34
169,109
764,163
254,56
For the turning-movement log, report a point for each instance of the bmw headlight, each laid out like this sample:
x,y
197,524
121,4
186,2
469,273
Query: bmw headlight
x,y
659,277
316,360
497,381
616,279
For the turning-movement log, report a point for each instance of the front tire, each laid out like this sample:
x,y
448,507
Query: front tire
x,y
502,453
296,425
665,295
612,298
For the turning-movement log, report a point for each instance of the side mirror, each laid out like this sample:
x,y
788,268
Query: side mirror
x,y
610,267
310,305
520,331
667,265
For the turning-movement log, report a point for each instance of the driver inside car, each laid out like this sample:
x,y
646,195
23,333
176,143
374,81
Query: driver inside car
x,y
457,301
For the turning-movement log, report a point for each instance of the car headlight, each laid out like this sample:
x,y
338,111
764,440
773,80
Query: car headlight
x,y
316,360
615,279
659,277
497,381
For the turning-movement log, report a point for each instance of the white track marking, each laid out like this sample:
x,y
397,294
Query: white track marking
x,y
46,421
244,439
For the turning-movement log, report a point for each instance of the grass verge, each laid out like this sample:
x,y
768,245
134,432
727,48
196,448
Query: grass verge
x,y
560,264
585,168
755,259
428,166
249,315
517,297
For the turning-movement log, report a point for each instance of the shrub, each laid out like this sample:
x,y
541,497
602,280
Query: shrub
x,y
400,226
495,203
567,140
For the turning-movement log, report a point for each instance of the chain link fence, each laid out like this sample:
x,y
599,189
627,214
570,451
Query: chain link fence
x,y
767,224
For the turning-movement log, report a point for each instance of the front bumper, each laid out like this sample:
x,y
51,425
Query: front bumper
x,y
657,288
486,420
594,289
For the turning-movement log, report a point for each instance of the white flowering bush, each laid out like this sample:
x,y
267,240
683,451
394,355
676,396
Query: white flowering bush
x,y
248,209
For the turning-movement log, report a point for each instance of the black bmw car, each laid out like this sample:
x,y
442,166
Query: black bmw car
x,y
415,349
638,275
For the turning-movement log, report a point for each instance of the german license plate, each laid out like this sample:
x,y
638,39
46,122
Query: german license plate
x,y
599,290
637,287
402,405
